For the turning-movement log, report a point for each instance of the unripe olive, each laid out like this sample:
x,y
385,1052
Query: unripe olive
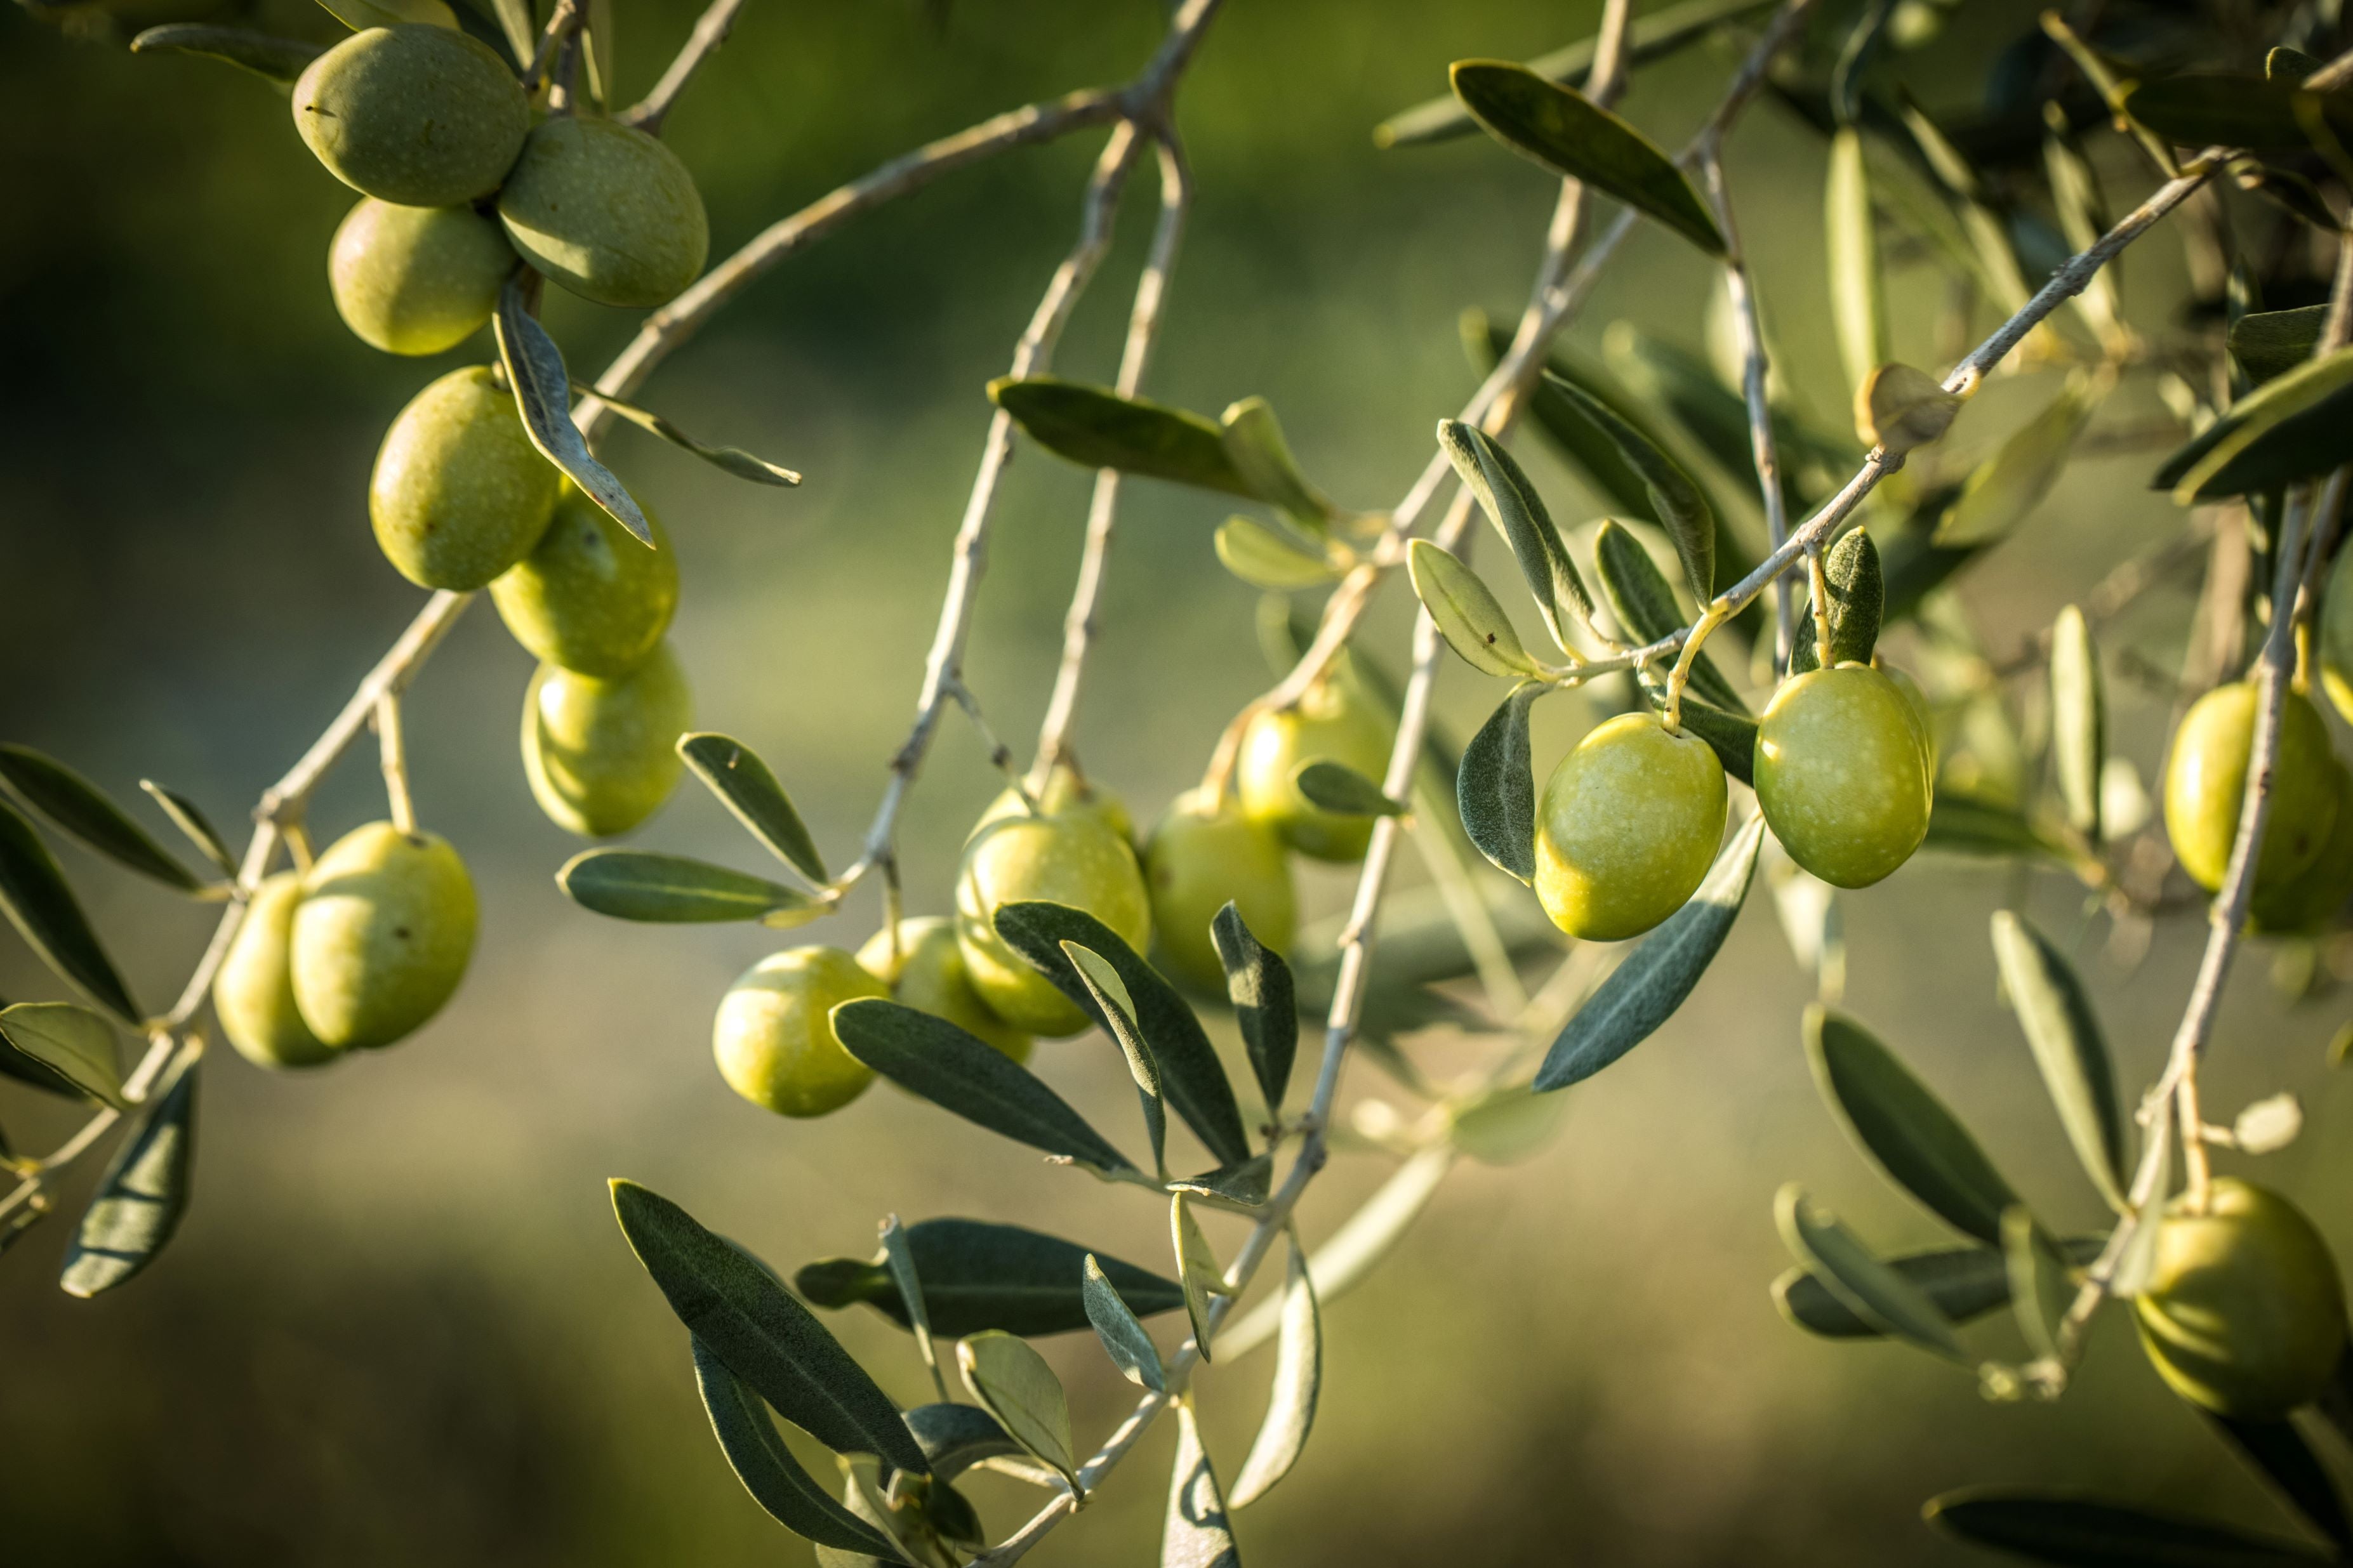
x,y
2306,901
606,211
417,114
253,994
1073,858
1628,829
590,596
1921,713
459,494
930,976
382,935
2333,639
2206,783
1067,790
1330,725
602,755
1203,854
1842,773
773,1036
415,280
2242,1314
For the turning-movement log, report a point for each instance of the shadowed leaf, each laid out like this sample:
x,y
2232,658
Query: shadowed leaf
x,y
1259,985
1512,504
1022,1392
1965,1283
2269,343
1495,790
1197,1269
145,1191
1197,1534
1298,1384
44,910
955,1438
2278,1451
1124,1339
1340,789
2063,1032
1868,1288
80,807
2079,1533
756,1453
1644,604
1468,615
748,788
1097,428
535,369
190,819
977,1275
642,885
1272,558
1255,445
272,59
2232,109
1676,500
58,1043
733,460
2291,428
2078,721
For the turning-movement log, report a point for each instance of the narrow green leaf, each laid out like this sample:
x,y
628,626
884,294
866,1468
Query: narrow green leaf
x,y
2063,1032
1097,428
955,1438
2285,189
1867,1287
959,1072
2079,1533
1714,414
1259,985
746,785
1858,601
2279,1451
1255,446
1644,604
1579,139
1676,500
1902,409
1247,1183
1298,1382
2269,343
2039,1290
1197,1533
1965,1283
1275,559
755,1327
1340,789
757,1454
1124,1339
190,819
1349,1253
272,59
145,1191
1474,625
68,1044
43,909
1963,824
1496,790
1197,1268
1995,263
1644,991
1506,1125
535,369
733,460
977,1275
899,1263
1584,445
1118,1011
1858,303
2232,109
2291,428
2003,488
2078,721
642,885
1512,504
1022,1392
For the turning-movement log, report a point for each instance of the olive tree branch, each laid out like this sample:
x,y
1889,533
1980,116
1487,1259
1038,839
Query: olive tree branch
x,y
711,30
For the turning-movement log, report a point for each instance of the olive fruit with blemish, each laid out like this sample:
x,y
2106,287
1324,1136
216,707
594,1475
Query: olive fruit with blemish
x,y
928,974
382,935
253,993
1331,723
602,755
413,113
1204,854
590,596
1628,827
2309,900
416,281
2332,641
773,1036
1071,856
2206,784
606,212
459,494
1842,775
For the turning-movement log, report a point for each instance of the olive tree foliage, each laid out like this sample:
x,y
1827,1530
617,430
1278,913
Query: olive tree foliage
x,y
1735,521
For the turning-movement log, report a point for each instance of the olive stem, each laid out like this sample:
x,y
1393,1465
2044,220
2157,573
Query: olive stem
x,y
711,30
1680,676
394,750
1818,588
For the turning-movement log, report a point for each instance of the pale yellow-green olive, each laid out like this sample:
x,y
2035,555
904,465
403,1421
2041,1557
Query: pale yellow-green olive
x,y
1067,790
417,114
773,1036
1331,723
1203,854
253,993
928,974
2206,784
415,280
2307,901
1628,827
382,935
1920,712
602,755
459,494
606,212
1841,774
2244,1312
589,597
2332,647
1073,857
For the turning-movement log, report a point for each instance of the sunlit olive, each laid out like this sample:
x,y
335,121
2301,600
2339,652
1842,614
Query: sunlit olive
x,y
1921,712
2243,1313
929,975
1067,790
253,994
602,755
1842,774
382,935
415,280
1628,829
459,494
773,1036
1070,858
2206,783
606,211
417,114
1331,723
590,596
2306,901
2332,644
1204,854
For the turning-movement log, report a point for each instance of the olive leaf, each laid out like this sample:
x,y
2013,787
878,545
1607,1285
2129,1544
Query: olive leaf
x,y
755,1327
43,909
2291,428
2003,488
1197,1269
1349,1253
1274,559
272,59
2277,1449
757,1454
2269,343
2232,109
1644,604
1102,980
2039,1290
1506,1125
1676,500
1298,1382
2065,1528
898,1265
145,1191
1579,139
59,1043
1468,616
1865,1285
361,15
1495,792
1900,409
2078,721
1342,791
1994,263
1584,445
1021,1391
979,1275
643,885
1715,415
1960,823
1512,504
733,460
1246,1183
1197,1533
542,391
955,1438
1254,444
1858,601
961,1073
80,808
1858,300
1964,1283
1098,428
747,787
2063,1032
1644,991
1114,1322
1259,985
190,819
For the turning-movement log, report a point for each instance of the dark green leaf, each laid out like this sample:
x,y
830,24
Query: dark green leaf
x,y
2268,343
1676,500
1197,1533
1496,791
1254,443
749,789
1962,825
1579,139
1965,1282
2232,109
1580,443
642,885
955,1438
1868,1288
899,1263
43,909
2078,1532
733,460
2287,190
976,1275
1259,985
1109,992
1340,789
85,811
1298,1384
2279,1451
1466,615
1715,417
273,59
1097,428
190,819
760,1332
1124,1339
1512,504
145,1191
63,1048
1857,601
776,1480
2292,428
1022,1392
2063,1032
1644,604
535,369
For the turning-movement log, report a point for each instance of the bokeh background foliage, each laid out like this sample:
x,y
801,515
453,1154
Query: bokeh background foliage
x,y
399,1326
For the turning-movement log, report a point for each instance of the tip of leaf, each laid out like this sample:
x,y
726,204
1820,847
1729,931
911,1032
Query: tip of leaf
x,y
996,388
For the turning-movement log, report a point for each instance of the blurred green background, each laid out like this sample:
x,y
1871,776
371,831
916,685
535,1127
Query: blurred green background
x,y
399,1326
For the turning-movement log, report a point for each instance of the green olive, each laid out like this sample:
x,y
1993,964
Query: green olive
x,y
606,212
415,280
2332,647
589,597
2243,1313
417,114
2206,782
1071,857
1842,773
773,1036
253,994
2307,901
1205,854
459,494
382,935
1922,714
1331,723
1067,790
1628,829
602,755
929,976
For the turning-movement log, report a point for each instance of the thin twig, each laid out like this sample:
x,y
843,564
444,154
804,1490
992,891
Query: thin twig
x,y
1752,381
711,30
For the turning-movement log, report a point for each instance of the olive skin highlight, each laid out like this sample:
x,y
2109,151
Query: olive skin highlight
x,y
773,1038
459,494
253,994
416,281
606,212
590,596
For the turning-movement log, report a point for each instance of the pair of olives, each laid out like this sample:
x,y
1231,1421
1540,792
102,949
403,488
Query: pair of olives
x,y
355,953
2304,870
